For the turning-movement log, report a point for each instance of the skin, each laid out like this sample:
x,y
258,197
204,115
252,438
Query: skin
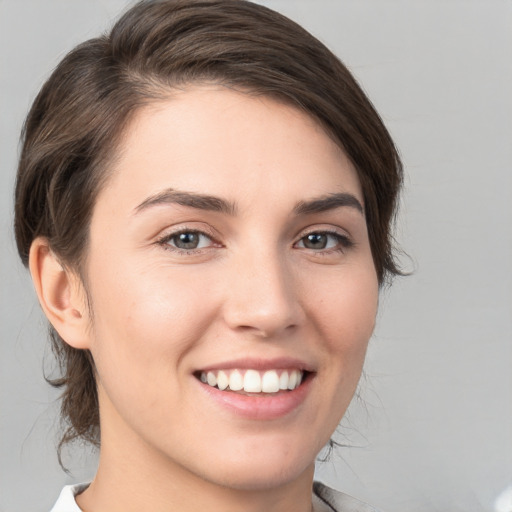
x,y
252,289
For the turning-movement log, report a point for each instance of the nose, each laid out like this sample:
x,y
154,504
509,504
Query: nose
x,y
262,297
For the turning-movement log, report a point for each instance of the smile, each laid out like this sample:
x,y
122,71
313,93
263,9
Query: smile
x,y
253,381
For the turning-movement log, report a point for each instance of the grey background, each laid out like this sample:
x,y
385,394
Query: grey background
x,y
432,430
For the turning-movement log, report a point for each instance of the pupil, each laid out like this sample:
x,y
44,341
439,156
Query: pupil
x,y
187,240
316,241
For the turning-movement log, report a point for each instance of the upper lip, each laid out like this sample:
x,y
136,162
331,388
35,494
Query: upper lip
x,y
262,364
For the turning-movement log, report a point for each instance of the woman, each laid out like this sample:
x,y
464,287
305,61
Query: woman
x,y
204,200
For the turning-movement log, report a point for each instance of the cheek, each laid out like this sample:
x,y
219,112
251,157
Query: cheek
x,y
143,327
345,315
142,318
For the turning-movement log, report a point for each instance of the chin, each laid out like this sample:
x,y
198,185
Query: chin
x,y
263,471
256,478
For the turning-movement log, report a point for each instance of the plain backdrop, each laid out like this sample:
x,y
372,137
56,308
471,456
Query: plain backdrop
x,y
432,429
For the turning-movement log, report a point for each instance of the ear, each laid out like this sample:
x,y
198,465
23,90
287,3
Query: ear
x,y
61,295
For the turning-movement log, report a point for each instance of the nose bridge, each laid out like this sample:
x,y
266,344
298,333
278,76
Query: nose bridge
x,y
262,293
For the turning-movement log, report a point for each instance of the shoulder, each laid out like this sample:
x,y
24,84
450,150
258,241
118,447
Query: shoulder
x,y
330,500
66,501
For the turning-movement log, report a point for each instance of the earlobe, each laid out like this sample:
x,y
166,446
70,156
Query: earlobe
x,y
61,294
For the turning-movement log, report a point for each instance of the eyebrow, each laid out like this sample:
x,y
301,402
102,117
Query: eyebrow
x,y
216,204
190,199
329,202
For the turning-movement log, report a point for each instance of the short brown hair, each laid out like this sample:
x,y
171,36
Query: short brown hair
x,y
75,124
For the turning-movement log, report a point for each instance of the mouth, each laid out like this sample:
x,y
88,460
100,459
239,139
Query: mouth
x,y
252,381
258,389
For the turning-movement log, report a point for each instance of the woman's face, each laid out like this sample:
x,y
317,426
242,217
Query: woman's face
x,y
229,246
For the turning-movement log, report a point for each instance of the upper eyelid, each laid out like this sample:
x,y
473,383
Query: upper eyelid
x,y
172,234
328,229
164,242
345,239
216,237
334,234
184,228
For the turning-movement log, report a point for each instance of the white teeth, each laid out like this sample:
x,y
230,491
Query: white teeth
x,y
283,381
211,379
253,381
292,381
236,381
222,380
270,382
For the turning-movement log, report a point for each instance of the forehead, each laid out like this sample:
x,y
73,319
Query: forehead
x,y
209,139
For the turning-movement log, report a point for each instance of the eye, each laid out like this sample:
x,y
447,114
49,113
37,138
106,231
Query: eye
x,y
187,240
322,240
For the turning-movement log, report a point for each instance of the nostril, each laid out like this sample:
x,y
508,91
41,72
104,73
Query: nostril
x,y
267,332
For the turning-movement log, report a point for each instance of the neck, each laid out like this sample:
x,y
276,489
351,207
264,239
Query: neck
x,y
130,488
133,476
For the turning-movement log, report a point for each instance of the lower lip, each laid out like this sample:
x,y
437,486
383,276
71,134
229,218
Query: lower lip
x,y
260,407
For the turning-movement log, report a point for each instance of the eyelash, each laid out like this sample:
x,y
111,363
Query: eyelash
x,y
165,240
343,242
